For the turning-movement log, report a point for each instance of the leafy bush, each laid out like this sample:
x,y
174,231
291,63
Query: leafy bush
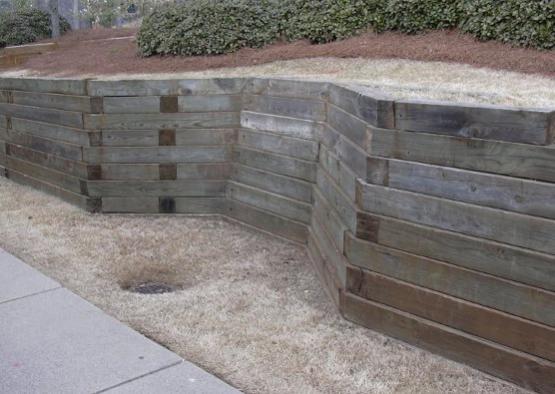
x,y
519,22
26,26
413,16
207,27
323,21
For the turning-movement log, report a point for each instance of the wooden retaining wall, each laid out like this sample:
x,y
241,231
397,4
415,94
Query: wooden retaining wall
x,y
430,222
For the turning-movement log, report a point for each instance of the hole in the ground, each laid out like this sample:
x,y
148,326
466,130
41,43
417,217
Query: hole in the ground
x,y
151,287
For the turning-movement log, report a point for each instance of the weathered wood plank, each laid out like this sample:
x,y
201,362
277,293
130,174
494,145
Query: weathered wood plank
x,y
295,147
75,168
205,137
525,370
213,103
275,203
286,106
517,333
122,172
47,115
162,121
51,131
287,88
283,165
327,277
494,224
342,204
56,101
352,156
511,297
340,173
349,126
132,105
519,160
56,148
476,121
130,204
83,202
76,87
204,171
203,205
181,188
326,215
370,105
267,221
129,138
56,178
335,260
505,261
171,87
496,191
162,154
282,185
291,127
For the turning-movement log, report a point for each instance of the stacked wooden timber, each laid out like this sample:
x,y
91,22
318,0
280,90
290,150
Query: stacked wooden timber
x,y
430,222
16,55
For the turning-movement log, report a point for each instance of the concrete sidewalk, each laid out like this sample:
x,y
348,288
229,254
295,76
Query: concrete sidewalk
x,y
52,341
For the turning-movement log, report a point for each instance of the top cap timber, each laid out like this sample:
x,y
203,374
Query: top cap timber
x,y
368,104
476,121
76,87
171,87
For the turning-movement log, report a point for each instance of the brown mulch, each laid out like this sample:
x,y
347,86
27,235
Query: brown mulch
x,y
77,55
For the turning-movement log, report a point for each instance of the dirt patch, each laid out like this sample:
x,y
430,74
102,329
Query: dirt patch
x,y
79,55
255,313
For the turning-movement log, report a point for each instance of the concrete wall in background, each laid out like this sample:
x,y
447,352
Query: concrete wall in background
x,y
430,222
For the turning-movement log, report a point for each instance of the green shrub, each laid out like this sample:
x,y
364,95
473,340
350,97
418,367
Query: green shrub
x,y
519,22
26,26
208,27
323,21
413,16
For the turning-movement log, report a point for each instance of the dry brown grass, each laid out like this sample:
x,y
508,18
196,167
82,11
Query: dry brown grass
x,y
250,309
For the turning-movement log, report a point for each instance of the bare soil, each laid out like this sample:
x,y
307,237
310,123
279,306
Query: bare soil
x,y
79,55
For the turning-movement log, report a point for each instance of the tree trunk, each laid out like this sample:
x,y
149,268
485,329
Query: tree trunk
x,y
54,17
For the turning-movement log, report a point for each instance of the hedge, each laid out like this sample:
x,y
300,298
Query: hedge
x,y
206,27
209,27
26,26
413,16
518,22
323,21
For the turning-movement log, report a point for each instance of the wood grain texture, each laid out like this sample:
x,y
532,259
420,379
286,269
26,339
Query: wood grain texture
x,y
507,296
286,186
475,121
275,143
185,188
162,154
272,202
286,106
502,260
517,160
278,164
266,221
494,224
520,368
512,194
516,333
290,127
47,115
